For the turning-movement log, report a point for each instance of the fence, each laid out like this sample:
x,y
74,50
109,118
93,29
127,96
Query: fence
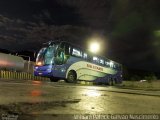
x,y
20,76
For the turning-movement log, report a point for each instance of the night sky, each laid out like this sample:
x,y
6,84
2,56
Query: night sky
x,y
129,30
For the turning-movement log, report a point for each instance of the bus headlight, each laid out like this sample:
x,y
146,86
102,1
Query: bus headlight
x,y
39,63
36,68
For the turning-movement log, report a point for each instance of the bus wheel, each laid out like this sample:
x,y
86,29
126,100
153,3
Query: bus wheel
x,y
72,77
115,81
53,79
110,83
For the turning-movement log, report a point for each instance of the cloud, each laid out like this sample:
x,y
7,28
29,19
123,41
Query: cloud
x,y
93,13
16,34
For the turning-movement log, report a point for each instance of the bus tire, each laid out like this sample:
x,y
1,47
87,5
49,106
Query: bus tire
x,y
110,82
54,79
71,77
115,81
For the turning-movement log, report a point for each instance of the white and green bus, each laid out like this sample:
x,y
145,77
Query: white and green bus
x,y
63,60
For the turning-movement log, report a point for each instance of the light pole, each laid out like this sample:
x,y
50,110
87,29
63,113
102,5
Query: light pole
x,y
94,47
27,62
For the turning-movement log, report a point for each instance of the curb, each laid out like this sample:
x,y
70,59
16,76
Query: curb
x,y
147,94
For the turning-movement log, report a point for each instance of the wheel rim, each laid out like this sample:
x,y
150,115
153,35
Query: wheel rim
x,y
71,77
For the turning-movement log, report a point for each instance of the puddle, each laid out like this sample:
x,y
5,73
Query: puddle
x,y
31,108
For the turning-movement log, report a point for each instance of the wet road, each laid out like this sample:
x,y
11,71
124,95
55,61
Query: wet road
x,y
46,98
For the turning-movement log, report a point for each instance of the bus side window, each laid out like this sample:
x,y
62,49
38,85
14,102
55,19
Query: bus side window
x,y
95,59
60,56
101,61
89,58
85,56
77,52
67,49
107,63
66,52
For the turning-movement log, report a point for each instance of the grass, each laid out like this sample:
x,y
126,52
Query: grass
x,y
148,85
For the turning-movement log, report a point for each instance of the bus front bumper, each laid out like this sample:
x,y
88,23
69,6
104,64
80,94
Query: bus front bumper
x,y
43,71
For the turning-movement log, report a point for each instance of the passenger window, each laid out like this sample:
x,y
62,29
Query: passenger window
x,y
59,59
102,61
77,52
67,49
85,55
107,63
96,59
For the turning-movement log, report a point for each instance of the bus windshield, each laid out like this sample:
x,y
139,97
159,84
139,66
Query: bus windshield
x,y
46,56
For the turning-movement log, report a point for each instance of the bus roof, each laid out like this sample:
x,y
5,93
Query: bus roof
x,y
87,51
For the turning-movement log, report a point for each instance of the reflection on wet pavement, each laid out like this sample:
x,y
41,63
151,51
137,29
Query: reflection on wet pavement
x,y
92,93
36,82
36,93
37,97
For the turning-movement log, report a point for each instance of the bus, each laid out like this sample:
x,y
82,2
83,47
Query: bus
x,y
63,60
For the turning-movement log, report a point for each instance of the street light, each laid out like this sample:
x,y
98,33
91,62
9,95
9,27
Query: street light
x,y
94,47
28,60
